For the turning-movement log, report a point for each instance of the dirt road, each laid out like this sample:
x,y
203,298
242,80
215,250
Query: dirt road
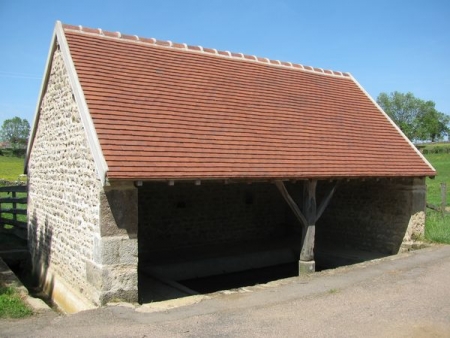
x,y
402,296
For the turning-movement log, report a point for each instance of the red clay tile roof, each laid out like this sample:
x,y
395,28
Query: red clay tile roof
x,y
164,110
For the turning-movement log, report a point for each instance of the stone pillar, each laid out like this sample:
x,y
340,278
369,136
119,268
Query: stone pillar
x,y
417,196
113,270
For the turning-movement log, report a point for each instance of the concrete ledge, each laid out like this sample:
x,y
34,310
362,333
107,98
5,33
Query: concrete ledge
x,y
66,298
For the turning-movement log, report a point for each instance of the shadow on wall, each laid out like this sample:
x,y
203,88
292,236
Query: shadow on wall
x,y
122,206
41,249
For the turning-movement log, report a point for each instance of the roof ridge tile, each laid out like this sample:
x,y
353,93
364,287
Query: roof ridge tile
x,y
205,50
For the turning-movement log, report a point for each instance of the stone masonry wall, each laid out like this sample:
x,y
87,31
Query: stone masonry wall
x,y
63,190
366,215
373,215
113,269
186,215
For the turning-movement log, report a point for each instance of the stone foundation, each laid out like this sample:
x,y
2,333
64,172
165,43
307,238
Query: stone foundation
x,y
113,270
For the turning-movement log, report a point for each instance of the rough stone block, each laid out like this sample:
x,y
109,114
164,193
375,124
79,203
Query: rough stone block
x,y
119,211
112,277
95,275
306,267
115,250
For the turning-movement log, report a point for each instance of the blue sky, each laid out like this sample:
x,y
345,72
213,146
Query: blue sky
x,y
387,45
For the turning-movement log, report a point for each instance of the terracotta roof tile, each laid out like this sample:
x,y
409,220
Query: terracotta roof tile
x,y
166,110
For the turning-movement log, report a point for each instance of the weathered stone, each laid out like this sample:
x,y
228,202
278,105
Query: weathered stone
x,y
82,238
115,250
186,215
373,215
63,187
119,210
112,277
306,267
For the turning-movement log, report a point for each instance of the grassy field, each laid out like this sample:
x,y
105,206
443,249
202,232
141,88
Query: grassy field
x,y
437,228
10,168
441,162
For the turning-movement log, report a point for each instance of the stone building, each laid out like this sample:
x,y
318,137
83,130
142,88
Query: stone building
x,y
155,158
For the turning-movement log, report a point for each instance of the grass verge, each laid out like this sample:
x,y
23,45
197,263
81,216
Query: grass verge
x,y
12,305
437,227
441,162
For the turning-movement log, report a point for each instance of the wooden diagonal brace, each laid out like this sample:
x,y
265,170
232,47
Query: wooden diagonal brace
x,y
297,212
325,202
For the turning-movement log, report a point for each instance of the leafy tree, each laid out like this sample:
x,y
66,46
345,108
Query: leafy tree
x,y
418,119
16,132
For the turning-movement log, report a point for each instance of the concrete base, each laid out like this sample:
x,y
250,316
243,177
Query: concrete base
x,y
306,267
65,297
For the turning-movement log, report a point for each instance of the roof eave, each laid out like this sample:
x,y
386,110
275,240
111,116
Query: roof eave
x,y
270,178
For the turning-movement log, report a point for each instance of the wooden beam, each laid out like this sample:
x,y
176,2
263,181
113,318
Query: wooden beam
x,y
309,204
309,216
307,253
325,202
301,218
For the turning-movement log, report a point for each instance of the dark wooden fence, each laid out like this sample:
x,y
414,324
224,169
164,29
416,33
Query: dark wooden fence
x,y
13,210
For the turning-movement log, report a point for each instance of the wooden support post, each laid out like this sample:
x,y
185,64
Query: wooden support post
x,y
443,196
309,205
307,219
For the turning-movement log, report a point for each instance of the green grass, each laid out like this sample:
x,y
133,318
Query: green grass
x,y
11,168
441,162
436,146
437,228
12,305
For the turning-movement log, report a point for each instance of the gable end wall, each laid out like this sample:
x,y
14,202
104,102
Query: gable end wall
x,y
64,192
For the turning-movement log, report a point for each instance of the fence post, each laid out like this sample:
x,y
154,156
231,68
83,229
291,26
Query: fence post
x,y
14,205
443,196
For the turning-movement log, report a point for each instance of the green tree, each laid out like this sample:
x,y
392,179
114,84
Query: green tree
x,y
418,119
16,132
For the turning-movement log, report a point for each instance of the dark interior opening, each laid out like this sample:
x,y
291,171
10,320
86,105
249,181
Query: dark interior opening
x,y
241,279
215,236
